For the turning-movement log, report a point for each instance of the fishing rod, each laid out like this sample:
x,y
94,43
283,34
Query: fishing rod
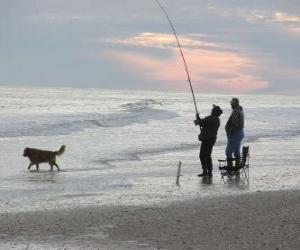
x,y
182,55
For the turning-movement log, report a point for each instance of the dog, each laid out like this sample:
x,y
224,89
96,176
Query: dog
x,y
37,156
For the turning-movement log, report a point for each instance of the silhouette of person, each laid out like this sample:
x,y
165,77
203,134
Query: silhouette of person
x,y
209,128
235,133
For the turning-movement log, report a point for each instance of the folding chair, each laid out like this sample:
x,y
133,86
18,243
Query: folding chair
x,y
236,170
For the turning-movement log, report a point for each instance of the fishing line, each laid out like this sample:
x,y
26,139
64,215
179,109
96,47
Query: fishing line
x,y
182,55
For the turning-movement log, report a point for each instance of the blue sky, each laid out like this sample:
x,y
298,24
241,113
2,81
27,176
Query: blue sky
x,y
230,46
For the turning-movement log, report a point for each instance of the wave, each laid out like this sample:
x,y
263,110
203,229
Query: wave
x,y
141,105
279,134
142,111
136,155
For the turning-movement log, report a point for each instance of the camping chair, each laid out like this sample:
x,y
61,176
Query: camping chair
x,y
236,170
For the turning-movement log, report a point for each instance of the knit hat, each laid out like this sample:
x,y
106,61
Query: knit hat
x,y
235,100
216,110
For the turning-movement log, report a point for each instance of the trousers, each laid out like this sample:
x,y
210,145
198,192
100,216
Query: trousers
x,y
205,153
234,144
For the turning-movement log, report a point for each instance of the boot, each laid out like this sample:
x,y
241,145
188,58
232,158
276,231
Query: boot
x,y
209,173
209,167
237,163
230,164
204,173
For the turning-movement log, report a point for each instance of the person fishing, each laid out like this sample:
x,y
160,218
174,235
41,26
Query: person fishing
x,y
209,125
209,128
235,133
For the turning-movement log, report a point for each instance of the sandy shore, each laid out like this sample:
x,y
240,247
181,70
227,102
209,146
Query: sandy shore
x,y
261,220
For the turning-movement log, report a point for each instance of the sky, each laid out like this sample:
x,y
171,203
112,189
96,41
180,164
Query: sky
x,y
231,46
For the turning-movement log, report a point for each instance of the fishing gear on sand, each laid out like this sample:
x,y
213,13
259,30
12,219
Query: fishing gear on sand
x,y
182,55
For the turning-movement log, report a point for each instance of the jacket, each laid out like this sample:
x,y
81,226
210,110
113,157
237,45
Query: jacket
x,y
235,121
209,127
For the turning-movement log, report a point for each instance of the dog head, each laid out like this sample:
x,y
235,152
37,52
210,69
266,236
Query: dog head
x,y
26,152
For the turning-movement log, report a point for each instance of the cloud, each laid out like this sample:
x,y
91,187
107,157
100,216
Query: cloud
x,y
249,15
283,21
287,21
295,30
210,70
284,17
229,45
163,41
291,22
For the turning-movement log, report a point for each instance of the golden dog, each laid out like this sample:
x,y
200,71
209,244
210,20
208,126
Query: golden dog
x,y
37,156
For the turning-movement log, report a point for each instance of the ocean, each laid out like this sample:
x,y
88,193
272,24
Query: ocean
x,y
123,146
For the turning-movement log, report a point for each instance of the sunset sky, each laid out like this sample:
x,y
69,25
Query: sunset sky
x,y
232,46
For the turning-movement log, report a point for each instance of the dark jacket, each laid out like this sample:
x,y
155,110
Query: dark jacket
x,y
235,121
209,127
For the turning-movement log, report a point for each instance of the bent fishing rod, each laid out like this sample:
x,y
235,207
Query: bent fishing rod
x,y
182,55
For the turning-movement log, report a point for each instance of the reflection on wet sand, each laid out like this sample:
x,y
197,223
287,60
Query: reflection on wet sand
x,y
42,177
206,180
236,182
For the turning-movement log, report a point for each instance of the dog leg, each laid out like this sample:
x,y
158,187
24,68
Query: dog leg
x,y
58,169
30,165
51,165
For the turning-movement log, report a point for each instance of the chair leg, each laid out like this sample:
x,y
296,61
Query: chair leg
x,y
246,174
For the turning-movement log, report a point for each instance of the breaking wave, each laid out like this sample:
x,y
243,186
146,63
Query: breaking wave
x,y
141,105
142,111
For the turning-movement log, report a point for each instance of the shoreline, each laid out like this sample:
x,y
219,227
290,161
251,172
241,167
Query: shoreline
x,y
260,220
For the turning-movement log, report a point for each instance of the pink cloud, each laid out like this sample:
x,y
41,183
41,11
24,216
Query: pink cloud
x,y
210,70
163,41
284,17
295,31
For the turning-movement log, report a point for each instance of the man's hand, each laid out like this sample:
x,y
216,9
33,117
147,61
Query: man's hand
x,y
198,120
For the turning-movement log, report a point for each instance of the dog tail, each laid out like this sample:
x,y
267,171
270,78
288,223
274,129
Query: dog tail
x,y
61,150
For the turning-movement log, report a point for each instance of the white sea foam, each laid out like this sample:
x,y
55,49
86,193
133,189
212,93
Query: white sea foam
x,y
28,124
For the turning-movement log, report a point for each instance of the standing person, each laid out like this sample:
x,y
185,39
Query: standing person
x,y
209,128
235,133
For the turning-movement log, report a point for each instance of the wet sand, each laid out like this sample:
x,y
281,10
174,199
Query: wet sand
x,y
261,220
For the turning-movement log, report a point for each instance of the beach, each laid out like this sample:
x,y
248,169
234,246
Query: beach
x,y
261,220
116,188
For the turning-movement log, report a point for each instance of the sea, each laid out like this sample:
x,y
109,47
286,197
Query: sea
x,y
123,147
